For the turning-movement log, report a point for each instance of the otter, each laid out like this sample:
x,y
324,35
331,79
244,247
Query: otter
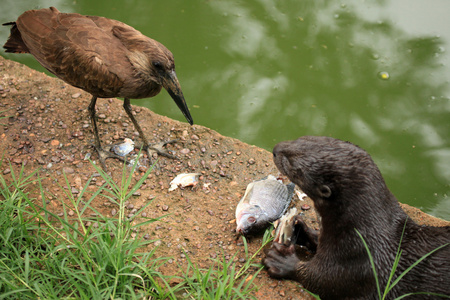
x,y
350,195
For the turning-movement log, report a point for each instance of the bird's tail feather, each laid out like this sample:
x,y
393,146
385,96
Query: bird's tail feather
x,y
15,44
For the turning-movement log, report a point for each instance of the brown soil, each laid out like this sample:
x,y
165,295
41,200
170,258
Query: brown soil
x,y
48,128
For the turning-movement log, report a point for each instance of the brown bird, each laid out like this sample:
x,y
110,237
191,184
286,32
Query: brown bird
x,y
104,57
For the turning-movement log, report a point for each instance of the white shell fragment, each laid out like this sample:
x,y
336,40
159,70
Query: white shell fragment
x,y
301,195
124,148
184,180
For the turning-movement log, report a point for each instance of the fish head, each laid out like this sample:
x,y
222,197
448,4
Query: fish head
x,y
250,219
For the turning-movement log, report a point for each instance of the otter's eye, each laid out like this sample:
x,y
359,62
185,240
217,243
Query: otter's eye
x,y
251,220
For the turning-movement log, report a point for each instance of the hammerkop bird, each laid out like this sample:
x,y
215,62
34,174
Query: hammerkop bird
x,y
104,57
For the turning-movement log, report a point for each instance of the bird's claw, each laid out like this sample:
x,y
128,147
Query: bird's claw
x,y
106,153
158,148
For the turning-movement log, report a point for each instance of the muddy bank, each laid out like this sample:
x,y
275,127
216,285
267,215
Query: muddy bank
x,y
48,128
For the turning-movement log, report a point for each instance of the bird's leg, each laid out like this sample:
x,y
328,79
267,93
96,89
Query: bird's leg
x,y
94,122
158,147
102,154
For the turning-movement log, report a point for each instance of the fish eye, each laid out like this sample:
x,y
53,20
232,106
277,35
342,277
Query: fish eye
x,y
251,220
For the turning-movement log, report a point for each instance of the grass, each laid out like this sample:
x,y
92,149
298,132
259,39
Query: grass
x,y
223,280
50,256
4,117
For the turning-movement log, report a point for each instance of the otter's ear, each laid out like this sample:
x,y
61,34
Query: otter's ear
x,y
325,191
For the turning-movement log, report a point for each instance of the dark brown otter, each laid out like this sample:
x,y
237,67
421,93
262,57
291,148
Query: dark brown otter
x,y
350,194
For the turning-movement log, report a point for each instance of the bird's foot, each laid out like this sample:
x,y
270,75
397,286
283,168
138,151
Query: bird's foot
x,y
158,149
106,153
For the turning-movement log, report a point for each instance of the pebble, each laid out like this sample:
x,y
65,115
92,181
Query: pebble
x,y
305,207
113,212
157,243
251,161
130,206
147,237
68,170
76,95
185,151
54,143
165,207
6,171
144,215
77,134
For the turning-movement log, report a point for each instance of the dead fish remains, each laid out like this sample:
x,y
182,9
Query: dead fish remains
x,y
124,148
264,201
184,180
284,228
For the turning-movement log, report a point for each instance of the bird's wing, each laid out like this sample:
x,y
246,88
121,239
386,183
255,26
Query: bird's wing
x,y
76,49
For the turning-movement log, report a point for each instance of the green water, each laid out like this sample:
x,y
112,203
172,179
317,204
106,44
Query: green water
x,y
375,73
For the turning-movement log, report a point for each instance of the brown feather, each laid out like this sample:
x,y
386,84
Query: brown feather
x,y
107,52
104,57
15,44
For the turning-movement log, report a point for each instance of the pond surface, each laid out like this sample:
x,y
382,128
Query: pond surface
x,y
375,73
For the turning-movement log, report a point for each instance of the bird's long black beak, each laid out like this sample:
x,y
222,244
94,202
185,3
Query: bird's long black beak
x,y
173,87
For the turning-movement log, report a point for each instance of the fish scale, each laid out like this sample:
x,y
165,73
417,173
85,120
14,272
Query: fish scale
x,y
264,191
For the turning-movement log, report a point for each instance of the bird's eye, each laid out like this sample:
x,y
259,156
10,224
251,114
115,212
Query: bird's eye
x,y
157,64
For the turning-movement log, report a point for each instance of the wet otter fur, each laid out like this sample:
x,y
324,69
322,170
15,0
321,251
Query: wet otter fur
x,y
349,193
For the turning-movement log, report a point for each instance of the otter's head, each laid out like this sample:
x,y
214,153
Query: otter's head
x,y
330,171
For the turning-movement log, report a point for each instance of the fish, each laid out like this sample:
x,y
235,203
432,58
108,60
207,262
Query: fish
x,y
284,229
124,148
184,180
264,201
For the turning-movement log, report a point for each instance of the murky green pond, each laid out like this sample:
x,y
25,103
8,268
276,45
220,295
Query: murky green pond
x,y
375,73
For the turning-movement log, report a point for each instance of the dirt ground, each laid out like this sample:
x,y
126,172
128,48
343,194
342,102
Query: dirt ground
x,y
48,127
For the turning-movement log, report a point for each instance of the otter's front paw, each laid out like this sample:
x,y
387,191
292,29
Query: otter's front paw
x,y
281,261
306,236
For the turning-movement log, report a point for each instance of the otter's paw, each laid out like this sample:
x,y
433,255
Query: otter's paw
x,y
306,236
281,261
